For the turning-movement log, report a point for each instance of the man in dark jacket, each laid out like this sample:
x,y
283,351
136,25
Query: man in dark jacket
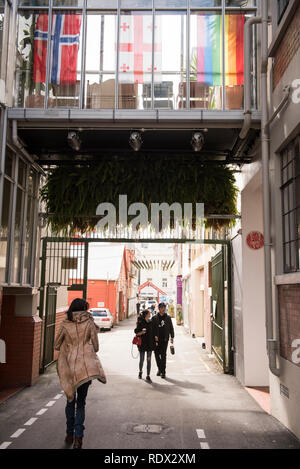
x,y
163,329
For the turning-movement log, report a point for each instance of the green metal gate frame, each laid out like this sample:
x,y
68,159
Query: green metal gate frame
x,y
227,359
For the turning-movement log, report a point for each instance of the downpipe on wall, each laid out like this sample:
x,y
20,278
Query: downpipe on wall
x,y
272,343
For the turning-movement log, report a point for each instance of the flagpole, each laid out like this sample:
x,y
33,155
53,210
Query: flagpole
x,y
118,55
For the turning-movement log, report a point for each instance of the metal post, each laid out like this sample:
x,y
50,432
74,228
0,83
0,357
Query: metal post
x,y
153,56
42,296
49,43
10,251
85,273
83,55
223,55
188,61
118,57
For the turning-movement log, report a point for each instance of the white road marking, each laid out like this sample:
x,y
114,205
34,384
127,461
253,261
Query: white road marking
x,y
50,403
18,433
41,412
58,396
5,444
30,421
204,445
201,434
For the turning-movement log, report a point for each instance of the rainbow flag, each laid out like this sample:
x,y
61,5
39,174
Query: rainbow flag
x,y
210,51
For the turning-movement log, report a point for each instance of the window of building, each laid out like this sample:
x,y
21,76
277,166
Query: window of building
x,y
281,6
290,189
17,227
132,51
164,283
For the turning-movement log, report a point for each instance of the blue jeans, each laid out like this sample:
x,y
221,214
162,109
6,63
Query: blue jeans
x,y
75,420
142,358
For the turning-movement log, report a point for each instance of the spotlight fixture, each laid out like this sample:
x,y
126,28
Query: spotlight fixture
x,y
135,141
197,141
74,140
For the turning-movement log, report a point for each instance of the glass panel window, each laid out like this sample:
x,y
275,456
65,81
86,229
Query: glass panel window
x,y
136,3
170,60
111,4
241,3
234,60
100,60
206,61
4,227
33,3
205,3
28,240
281,6
22,174
17,235
31,59
68,3
170,3
65,61
291,206
135,58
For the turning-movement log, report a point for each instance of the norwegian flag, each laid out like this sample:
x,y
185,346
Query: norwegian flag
x,y
135,60
64,48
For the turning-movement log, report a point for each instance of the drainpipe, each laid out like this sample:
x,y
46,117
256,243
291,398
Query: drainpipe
x,y
22,149
265,139
247,85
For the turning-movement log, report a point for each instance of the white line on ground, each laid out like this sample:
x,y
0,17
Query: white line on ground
x,y
58,396
30,421
5,444
204,445
41,412
50,403
201,434
18,433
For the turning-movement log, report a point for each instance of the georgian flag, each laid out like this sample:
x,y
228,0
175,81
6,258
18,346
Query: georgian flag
x,y
135,59
64,48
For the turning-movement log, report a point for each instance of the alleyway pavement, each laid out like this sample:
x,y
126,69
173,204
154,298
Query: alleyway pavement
x,y
197,406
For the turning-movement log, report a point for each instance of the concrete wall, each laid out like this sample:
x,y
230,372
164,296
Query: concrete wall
x,y
251,330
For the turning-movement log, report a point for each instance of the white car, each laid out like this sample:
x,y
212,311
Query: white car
x,y
103,318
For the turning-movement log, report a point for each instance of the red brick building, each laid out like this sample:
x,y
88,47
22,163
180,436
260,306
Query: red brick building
x,y
110,279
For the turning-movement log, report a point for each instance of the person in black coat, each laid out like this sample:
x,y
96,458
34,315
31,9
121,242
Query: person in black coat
x,y
163,329
144,329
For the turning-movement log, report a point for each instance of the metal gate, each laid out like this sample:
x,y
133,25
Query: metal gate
x,y
221,313
49,324
64,264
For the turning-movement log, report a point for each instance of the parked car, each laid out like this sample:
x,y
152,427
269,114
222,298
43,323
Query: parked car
x,y
103,318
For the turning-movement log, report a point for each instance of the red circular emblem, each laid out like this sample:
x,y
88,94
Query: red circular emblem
x,y
255,240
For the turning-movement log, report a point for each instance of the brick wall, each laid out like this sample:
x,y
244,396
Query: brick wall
x,y
287,49
289,313
22,337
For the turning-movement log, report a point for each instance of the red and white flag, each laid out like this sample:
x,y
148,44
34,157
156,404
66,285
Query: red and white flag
x,y
135,60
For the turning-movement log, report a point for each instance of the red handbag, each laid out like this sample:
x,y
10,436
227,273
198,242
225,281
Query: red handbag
x,y
137,341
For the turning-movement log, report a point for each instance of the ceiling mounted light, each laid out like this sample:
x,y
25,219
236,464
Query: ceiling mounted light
x,y
135,141
74,140
197,141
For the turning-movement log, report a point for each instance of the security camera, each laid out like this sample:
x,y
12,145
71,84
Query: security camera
x,y
135,141
197,141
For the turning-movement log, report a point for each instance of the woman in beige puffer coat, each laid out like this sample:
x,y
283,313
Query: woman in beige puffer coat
x,y
78,364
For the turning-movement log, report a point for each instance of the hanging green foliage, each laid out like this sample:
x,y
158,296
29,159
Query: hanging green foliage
x,y
72,194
